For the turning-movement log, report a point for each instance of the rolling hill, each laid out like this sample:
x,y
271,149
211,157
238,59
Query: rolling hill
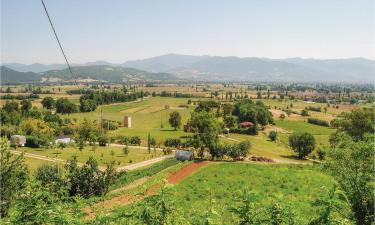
x,y
9,76
101,73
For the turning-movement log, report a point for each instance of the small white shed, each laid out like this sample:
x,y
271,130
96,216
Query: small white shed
x,y
20,139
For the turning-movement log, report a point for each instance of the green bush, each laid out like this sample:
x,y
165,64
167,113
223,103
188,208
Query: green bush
x,y
304,112
318,122
36,142
172,142
272,135
103,140
135,140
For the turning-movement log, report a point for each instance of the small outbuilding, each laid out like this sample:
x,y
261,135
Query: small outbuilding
x,y
184,155
226,130
19,139
64,139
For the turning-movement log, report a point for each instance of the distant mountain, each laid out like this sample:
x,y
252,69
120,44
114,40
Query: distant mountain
x,y
36,67
164,63
9,76
218,68
105,73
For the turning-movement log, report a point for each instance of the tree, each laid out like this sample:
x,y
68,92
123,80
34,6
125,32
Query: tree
x,y
304,112
206,129
89,180
331,208
149,143
135,140
153,143
352,164
227,109
64,106
26,106
61,145
357,123
81,145
272,135
175,120
13,176
11,106
302,143
48,175
48,102
230,121
125,150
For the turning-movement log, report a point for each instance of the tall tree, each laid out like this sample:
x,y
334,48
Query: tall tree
x,y
13,176
175,120
352,164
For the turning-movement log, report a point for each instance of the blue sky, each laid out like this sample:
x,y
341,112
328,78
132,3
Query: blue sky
x,y
120,30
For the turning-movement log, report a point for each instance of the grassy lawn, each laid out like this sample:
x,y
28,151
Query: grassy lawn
x,y
293,186
262,146
33,164
301,126
102,154
147,117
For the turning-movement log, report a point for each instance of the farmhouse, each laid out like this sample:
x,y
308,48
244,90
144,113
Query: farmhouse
x,y
20,139
246,124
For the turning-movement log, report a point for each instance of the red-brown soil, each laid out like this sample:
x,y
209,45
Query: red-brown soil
x,y
185,171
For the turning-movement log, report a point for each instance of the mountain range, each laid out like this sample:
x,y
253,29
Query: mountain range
x,y
86,73
216,68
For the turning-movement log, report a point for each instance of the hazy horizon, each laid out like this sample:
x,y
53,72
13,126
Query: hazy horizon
x,y
120,31
101,60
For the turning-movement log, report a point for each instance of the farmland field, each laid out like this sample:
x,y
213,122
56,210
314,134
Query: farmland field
x,y
221,186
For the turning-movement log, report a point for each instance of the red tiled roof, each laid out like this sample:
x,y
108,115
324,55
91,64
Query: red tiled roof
x,y
246,124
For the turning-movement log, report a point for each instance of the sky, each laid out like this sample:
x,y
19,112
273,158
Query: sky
x,y
121,30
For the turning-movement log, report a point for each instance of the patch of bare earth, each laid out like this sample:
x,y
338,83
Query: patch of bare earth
x,y
185,171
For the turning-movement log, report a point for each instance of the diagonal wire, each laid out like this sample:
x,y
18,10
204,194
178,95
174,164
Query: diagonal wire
x,y
61,48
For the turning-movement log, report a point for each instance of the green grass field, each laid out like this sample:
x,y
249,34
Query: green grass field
x,y
301,126
102,154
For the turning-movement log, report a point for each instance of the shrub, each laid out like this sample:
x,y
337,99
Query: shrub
x,y
172,142
135,140
103,140
321,153
253,130
316,109
318,122
302,143
48,175
304,112
272,135
89,180
36,142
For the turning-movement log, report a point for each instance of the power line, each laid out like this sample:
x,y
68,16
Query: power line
x,y
61,48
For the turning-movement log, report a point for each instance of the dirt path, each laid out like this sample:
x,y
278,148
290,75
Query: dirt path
x,y
143,163
185,171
